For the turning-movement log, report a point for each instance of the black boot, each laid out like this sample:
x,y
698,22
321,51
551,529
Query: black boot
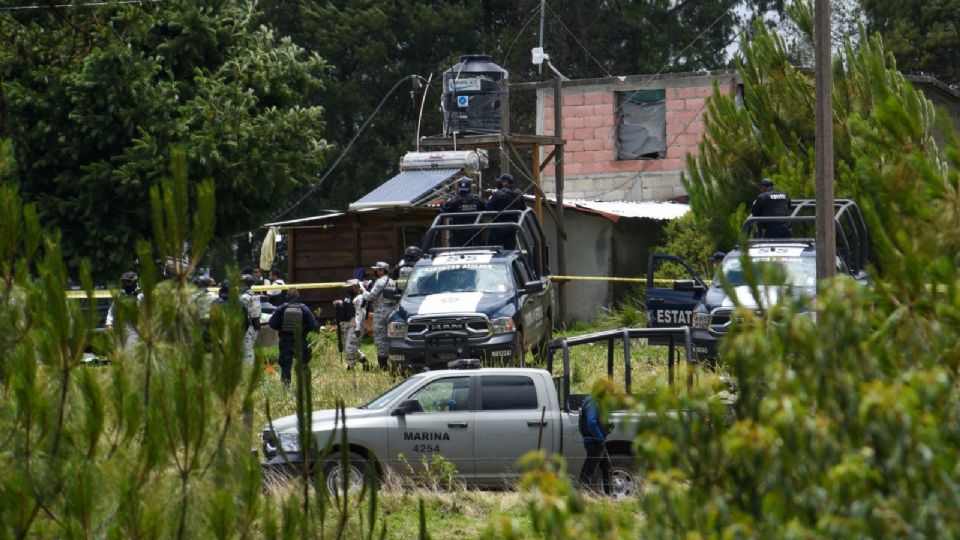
x,y
382,360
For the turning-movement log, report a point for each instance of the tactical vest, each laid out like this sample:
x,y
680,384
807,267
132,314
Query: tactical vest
x,y
778,204
292,319
344,311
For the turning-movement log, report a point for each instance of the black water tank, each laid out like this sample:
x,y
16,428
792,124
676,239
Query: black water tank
x,y
471,96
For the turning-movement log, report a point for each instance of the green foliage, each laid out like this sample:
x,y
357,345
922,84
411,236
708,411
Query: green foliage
x,y
844,426
922,35
772,133
94,99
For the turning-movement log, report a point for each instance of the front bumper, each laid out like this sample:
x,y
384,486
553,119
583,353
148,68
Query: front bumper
x,y
435,351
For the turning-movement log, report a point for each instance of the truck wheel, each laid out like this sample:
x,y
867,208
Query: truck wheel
x,y
356,471
519,352
540,353
626,481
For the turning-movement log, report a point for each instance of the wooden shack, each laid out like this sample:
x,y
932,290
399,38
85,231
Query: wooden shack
x,y
336,246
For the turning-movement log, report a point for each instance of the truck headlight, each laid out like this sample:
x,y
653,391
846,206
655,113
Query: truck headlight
x,y
503,325
701,320
290,442
397,329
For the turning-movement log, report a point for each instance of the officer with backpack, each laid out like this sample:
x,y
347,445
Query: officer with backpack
x,y
292,321
594,434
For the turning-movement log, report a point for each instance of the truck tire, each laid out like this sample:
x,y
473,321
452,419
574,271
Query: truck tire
x,y
357,471
540,353
626,481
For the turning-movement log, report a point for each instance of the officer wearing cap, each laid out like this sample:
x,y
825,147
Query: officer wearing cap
x,y
129,291
410,257
772,203
251,314
383,305
464,201
293,321
506,197
351,314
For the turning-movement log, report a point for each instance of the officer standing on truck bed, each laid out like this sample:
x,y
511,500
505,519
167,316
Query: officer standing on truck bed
x,y
772,203
465,201
351,314
506,197
382,305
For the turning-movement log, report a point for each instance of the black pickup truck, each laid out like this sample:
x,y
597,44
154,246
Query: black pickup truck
x,y
709,311
475,301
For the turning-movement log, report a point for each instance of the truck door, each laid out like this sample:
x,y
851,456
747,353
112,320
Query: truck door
x,y
509,423
671,306
531,305
444,427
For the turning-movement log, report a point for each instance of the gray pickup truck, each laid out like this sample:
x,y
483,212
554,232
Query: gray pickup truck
x,y
481,419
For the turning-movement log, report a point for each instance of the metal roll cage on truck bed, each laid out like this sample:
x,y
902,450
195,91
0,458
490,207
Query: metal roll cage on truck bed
x,y
524,223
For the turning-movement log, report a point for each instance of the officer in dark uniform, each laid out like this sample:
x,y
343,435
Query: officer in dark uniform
x,y
772,203
292,320
465,201
506,197
410,257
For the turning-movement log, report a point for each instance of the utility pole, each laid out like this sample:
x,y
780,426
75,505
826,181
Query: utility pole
x,y
823,83
558,179
543,10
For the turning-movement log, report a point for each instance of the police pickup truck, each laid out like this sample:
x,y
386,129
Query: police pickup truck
x,y
475,300
482,420
709,311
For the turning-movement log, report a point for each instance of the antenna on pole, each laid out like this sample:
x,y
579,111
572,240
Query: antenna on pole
x,y
543,10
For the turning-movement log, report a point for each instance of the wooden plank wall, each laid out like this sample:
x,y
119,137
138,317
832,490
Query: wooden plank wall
x,y
333,252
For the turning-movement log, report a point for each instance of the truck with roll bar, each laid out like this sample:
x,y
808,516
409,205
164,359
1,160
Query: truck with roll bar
x,y
470,297
710,311
482,420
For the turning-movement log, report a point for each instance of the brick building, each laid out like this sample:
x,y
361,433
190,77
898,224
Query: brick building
x,y
626,137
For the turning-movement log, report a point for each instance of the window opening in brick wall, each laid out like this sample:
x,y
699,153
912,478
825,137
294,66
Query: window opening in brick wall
x,y
641,124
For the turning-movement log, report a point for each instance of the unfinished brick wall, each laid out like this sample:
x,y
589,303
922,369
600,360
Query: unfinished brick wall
x,y
590,132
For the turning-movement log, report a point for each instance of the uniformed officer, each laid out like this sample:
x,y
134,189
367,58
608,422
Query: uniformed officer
x,y
410,257
292,321
506,197
251,312
129,291
351,314
465,201
382,308
772,203
594,442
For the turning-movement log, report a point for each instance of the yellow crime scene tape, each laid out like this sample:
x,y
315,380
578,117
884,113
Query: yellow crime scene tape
x,y
340,285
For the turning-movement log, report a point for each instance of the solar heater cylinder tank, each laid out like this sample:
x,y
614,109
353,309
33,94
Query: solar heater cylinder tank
x,y
468,160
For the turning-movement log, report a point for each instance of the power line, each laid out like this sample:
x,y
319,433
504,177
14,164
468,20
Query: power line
x,y
83,5
347,148
564,26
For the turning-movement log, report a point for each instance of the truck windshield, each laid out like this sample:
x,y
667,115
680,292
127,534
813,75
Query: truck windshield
x,y
796,271
436,279
391,394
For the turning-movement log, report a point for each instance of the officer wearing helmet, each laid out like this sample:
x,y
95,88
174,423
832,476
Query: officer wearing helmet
x,y
506,197
410,257
383,305
251,313
293,321
129,292
772,203
464,201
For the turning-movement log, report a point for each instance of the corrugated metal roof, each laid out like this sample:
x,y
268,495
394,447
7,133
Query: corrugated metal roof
x,y
406,188
629,209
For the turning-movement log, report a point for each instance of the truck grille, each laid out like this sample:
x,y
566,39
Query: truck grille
x,y
463,326
722,318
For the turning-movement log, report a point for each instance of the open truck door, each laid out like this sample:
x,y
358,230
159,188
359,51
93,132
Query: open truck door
x,y
671,306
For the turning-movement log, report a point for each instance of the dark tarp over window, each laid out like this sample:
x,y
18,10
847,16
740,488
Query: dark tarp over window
x,y
641,124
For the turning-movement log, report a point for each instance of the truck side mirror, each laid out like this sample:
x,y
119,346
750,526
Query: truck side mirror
x,y
393,294
532,287
407,406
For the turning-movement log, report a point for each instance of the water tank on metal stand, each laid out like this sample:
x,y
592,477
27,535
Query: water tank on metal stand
x,y
471,96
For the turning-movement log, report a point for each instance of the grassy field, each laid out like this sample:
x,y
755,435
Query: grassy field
x,y
458,512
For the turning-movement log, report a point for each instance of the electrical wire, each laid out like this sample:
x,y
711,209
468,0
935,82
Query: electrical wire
x,y
564,26
347,148
83,5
